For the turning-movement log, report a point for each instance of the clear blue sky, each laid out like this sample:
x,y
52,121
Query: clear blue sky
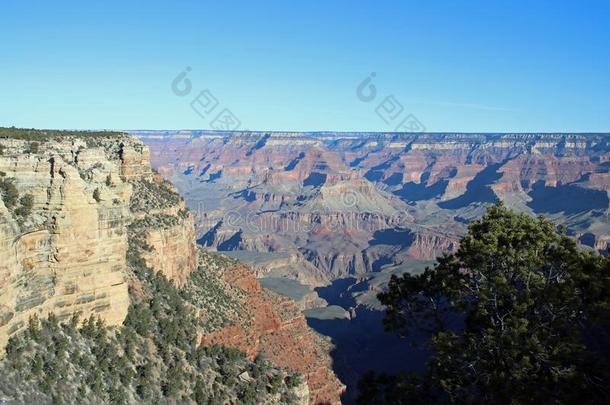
x,y
456,66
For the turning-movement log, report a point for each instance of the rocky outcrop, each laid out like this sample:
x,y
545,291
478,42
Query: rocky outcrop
x,y
174,250
97,214
167,228
272,326
67,254
428,245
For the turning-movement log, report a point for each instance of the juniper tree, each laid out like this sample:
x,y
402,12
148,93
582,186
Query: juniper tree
x,y
516,315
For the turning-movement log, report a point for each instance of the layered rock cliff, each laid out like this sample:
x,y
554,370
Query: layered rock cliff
x,y
162,220
67,254
350,203
84,226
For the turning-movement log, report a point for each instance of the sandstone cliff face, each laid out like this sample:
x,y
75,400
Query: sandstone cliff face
x,y
68,254
167,227
273,326
174,251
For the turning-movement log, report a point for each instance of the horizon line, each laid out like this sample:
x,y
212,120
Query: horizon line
x,y
319,131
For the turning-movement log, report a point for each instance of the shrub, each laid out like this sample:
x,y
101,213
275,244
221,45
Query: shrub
x,y
293,381
149,195
33,148
9,192
26,204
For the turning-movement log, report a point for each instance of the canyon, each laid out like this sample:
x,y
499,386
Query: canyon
x,y
277,242
345,204
326,218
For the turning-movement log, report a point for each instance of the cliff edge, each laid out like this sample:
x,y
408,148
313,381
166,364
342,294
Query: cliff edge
x,y
87,228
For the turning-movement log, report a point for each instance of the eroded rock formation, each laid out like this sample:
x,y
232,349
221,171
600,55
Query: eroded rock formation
x,y
351,203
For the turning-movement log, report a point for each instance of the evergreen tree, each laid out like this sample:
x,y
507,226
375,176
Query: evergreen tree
x,y
514,316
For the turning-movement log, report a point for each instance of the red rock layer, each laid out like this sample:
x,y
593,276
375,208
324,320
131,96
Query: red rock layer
x,y
275,328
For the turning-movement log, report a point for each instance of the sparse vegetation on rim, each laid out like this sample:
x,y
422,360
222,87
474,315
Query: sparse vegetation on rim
x,y
149,195
44,134
162,221
36,138
22,206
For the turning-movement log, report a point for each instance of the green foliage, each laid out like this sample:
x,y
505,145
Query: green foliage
x,y
149,195
26,204
10,195
59,361
159,221
207,292
139,318
33,148
96,195
511,317
293,380
44,134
